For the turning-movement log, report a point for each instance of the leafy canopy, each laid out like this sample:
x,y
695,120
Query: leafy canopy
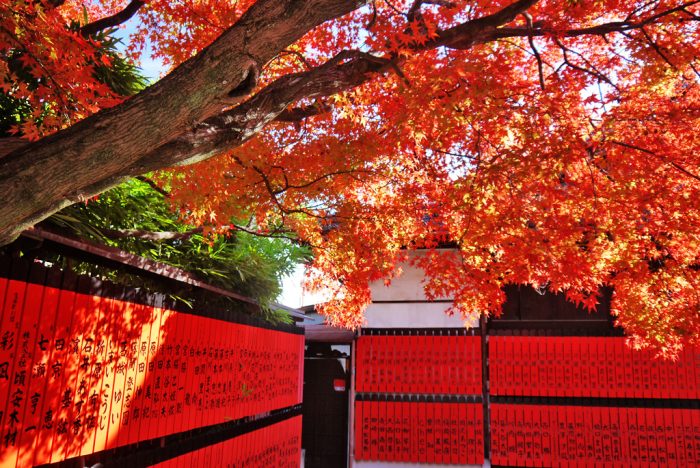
x,y
136,218
554,141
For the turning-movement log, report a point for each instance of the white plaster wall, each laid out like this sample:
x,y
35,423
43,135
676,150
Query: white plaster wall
x,y
407,287
403,304
413,315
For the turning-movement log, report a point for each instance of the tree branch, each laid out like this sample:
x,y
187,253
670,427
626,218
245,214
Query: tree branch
x,y
298,114
103,149
116,19
531,41
149,235
660,158
178,120
153,185
598,30
233,127
470,33
414,11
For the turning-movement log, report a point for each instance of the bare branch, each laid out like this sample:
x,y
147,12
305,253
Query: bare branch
x,y
661,158
473,32
531,41
153,185
413,12
598,30
116,19
154,236
657,49
594,72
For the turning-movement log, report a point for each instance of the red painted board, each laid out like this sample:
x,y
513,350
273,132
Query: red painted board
x,y
186,366
362,360
430,431
495,365
673,381
669,437
596,368
81,398
497,435
10,336
618,359
54,372
371,430
131,358
359,430
545,437
550,351
381,363
53,329
576,365
687,375
462,431
695,421
407,441
609,459
111,384
508,388
101,377
140,411
17,409
537,455
177,338
511,424
117,362
537,371
478,443
643,436
155,368
37,374
558,367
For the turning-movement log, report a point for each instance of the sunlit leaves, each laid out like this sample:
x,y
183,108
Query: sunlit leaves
x,y
565,160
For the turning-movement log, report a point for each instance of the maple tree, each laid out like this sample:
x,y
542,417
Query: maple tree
x,y
554,142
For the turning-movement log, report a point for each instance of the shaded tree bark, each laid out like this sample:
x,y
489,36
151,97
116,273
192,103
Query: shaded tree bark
x,y
180,119
104,149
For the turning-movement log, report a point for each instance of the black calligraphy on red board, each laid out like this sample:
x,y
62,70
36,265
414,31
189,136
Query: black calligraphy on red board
x,y
595,436
603,367
419,432
277,445
82,373
424,364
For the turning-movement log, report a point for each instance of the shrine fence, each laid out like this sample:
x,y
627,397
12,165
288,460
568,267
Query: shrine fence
x,y
448,396
91,371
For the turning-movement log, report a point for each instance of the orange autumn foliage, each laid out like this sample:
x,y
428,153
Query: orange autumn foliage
x,y
558,148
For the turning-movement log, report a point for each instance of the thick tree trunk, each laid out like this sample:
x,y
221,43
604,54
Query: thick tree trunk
x,y
181,119
102,150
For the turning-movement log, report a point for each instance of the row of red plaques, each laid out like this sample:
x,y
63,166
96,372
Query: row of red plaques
x,y
588,367
278,445
578,436
419,432
81,373
431,364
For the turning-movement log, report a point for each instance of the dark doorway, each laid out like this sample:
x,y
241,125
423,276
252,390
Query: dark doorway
x,y
325,409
